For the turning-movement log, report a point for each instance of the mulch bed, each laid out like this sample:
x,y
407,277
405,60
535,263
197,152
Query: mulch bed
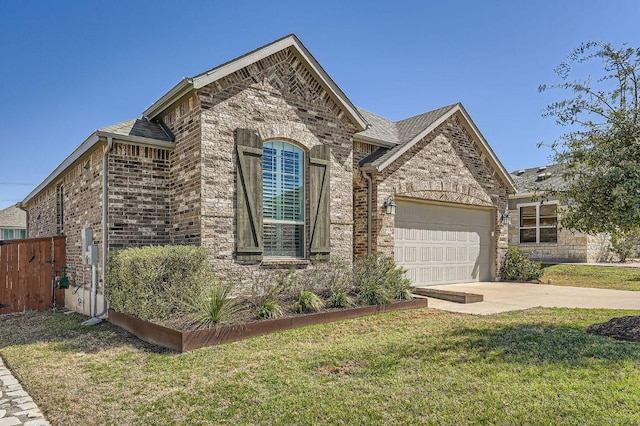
x,y
621,328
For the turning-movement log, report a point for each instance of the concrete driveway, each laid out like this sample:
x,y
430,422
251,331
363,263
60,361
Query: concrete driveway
x,y
504,296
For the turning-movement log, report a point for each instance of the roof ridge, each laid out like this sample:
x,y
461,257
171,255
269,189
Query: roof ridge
x,y
446,107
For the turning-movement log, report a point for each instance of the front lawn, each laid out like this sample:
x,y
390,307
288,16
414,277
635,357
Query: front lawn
x,y
414,367
611,277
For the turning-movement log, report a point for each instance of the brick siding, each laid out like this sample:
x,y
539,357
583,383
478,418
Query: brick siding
x,y
446,166
279,98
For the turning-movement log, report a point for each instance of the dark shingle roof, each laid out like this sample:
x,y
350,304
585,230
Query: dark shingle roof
x,y
411,127
399,132
13,217
138,127
538,178
379,127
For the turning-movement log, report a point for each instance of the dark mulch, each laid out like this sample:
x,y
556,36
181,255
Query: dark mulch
x,y
621,328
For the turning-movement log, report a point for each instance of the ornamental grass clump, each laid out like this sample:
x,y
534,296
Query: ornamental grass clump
x,y
307,301
379,280
212,305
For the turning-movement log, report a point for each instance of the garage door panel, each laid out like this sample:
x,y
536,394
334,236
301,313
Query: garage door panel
x,y
441,244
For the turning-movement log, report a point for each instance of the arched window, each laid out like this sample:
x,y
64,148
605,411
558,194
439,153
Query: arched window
x,y
288,183
283,200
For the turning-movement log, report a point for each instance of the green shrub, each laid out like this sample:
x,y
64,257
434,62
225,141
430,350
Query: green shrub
x,y
516,266
151,282
625,244
263,295
379,280
308,301
327,277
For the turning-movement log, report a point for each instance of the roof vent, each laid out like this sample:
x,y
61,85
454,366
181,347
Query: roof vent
x,y
543,176
542,169
519,172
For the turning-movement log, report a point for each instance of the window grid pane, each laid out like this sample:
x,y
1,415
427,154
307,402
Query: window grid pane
x,y
283,199
528,235
283,239
539,224
548,235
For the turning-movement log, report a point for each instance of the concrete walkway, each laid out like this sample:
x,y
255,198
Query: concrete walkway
x,y
16,406
505,296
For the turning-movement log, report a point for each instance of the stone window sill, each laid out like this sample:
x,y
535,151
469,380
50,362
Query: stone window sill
x,y
285,263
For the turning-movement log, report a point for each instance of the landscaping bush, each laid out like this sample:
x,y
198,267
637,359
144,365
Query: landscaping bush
x,y
156,283
264,293
379,280
328,278
625,244
516,266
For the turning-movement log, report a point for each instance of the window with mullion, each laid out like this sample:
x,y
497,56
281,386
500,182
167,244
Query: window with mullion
x,y
283,199
539,223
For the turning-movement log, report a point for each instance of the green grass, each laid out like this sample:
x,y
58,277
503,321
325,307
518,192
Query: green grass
x,y
414,367
616,278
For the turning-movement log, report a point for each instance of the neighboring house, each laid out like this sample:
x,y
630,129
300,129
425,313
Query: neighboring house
x,y
13,223
536,221
266,162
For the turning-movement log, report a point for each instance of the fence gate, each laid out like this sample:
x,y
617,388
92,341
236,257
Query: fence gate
x,y
27,272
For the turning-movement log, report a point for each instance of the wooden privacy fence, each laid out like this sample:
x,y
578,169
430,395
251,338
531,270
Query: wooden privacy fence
x,y
27,273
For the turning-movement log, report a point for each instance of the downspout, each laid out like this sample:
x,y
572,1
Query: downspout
x,y
105,224
369,211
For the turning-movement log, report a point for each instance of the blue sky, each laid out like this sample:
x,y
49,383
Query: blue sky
x,y
70,67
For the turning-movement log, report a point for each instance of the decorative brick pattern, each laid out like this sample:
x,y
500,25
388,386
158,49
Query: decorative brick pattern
x,y
185,187
280,99
139,188
446,166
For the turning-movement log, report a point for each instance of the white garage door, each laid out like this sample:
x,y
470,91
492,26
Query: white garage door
x,y
441,244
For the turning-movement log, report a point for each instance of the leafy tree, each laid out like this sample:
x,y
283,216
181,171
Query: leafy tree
x,y
601,150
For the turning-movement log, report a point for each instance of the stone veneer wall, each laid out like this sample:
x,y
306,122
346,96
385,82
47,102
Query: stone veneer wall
x,y
446,166
571,246
279,98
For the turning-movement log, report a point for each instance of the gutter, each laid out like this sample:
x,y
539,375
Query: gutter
x,y
373,141
182,88
89,143
75,155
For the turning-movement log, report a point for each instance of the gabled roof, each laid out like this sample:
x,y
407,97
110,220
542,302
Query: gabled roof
x,y
138,131
531,180
291,42
13,217
398,134
398,137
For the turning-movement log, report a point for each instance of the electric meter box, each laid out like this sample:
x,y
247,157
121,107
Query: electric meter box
x,y
89,250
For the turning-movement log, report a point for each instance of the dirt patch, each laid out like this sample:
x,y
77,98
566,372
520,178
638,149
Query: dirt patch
x,y
621,328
